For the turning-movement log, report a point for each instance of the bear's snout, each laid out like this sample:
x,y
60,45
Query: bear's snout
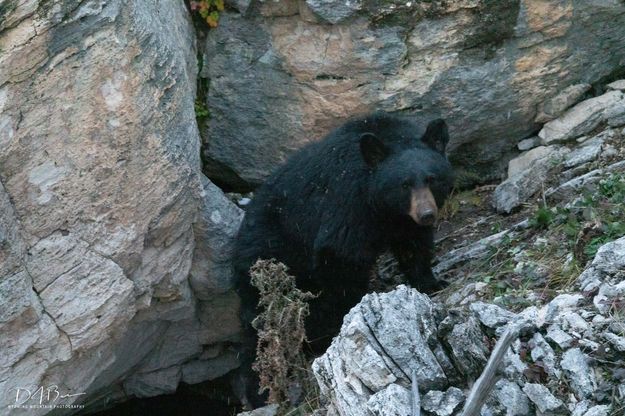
x,y
423,209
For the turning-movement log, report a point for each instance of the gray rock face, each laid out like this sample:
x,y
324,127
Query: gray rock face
x,y
464,61
214,243
99,191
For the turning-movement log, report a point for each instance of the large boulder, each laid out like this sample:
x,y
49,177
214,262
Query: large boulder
x,y
284,73
100,187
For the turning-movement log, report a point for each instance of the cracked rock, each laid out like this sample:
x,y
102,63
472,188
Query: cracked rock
x,y
442,403
543,399
579,120
580,376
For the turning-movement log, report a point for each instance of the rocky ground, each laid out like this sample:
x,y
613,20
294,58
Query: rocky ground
x,y
544,248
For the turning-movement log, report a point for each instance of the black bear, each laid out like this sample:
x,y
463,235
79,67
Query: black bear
x,y
372,185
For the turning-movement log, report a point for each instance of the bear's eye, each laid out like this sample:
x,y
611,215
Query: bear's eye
x,y
406,185
430,179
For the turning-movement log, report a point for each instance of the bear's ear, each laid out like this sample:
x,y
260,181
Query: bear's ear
x,y
436,135
372,149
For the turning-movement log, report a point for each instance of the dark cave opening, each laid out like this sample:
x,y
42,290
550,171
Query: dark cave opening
x,y
211,398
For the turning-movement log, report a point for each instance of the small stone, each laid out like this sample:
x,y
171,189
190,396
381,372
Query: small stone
x,y
557,335
617,85
587,153
615,115
270,410
562,303
244,202
542,398
491,315
580,408
542,351
511,397
589,344
617,342
580,376
392,401
599,410
442,403
528,144
573,322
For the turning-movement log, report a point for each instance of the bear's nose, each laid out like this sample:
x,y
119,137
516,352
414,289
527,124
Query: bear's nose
x,y
427,217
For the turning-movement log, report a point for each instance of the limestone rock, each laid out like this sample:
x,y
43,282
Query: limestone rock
x,y
554,107
392,401
615,115
512,398
581,119
525,160
443,403
617,85
467,61
215,230
357,366
527,144
270,410
580,376
589,151
99,191
515,190
543,399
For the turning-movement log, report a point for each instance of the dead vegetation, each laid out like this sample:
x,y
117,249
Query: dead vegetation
x,y
280,361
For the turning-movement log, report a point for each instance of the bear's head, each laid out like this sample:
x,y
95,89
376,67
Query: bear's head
x,y
409,174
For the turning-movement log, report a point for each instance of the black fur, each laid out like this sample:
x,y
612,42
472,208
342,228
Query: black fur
x,y
336,205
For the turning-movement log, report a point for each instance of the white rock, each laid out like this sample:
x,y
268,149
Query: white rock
x,y
442,403
491,315
270,410
356,365
555,106
512,398
515,190
586,153
525,160
599,410
615,115
579,375
542,398
560,337
392,401
617,342
579,120
617,85
527,144
562,303
542,351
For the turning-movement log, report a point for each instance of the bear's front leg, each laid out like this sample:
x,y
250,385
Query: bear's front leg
x,y
415,262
